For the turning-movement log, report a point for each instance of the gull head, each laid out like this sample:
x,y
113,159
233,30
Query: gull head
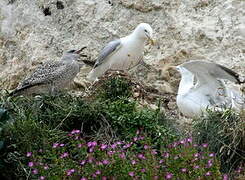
x,y
144,31
72,55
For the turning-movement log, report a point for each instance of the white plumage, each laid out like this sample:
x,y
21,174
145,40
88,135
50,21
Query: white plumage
x,y
202,87
124,53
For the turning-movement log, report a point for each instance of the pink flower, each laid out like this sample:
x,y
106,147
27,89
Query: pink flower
x,y
211,155
189,140
35,171
65,154
169,175
113,146
98,172
82,162
156,177
133,162
183,170
70,172
28,154
45,167
103,146
141,156
30,164
41,177
166,155
79,145
205,145
208,173
143,170
104,178
146,146
62,145
55,145
105,162
122,156
153,152
83,178
110,153
225,177
196,155
135,138
161,161
196,167
119,143
131,174
90,150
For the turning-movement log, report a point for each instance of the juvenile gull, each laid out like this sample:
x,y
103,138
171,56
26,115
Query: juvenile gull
x,y
123,53
51,76
202,87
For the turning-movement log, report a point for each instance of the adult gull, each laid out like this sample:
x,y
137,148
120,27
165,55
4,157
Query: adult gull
x,y
123,53
202,86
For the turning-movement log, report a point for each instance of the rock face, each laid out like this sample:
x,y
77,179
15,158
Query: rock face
x,y
35,31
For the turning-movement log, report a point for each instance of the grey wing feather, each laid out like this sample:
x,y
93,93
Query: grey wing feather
x,y
110,48
213,69
45,73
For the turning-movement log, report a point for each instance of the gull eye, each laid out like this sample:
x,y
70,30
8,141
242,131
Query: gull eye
x,y
146,31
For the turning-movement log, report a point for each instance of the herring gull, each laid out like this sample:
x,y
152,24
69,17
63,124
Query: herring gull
x,y
202,86
123,53
51,76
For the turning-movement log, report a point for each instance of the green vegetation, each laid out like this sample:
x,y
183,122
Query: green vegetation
x,y
108,135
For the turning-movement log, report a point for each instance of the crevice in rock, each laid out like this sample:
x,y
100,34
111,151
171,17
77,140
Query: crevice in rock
x,y
60,5
46,11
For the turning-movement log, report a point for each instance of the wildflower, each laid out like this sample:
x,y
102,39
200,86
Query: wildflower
x,y
113,146
98,172
225,177
166,155
133,162
183,170
70,172
104,178
131,174
182,142
211,154
65,154
41,177
83,178
79,145
30,164
90,150
127,146
119,143
28,154
75,131
105,162
103,146
35,171
55,145
40,150
45,167
110,153
62,145
141,156
137,132
169,175
208,173
141,138
156,177
189,140
205,145
161,161
82,162
196,154
196,167
143,170
146,146
94,143
122,156
153,152
135,139
90,159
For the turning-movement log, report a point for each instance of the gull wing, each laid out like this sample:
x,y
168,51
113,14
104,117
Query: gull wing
x,y
204,68
43,74
107,51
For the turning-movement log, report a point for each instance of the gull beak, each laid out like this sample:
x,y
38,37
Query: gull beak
x,y
80,50
151,41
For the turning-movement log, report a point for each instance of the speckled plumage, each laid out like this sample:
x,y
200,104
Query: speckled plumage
x,y
51,76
